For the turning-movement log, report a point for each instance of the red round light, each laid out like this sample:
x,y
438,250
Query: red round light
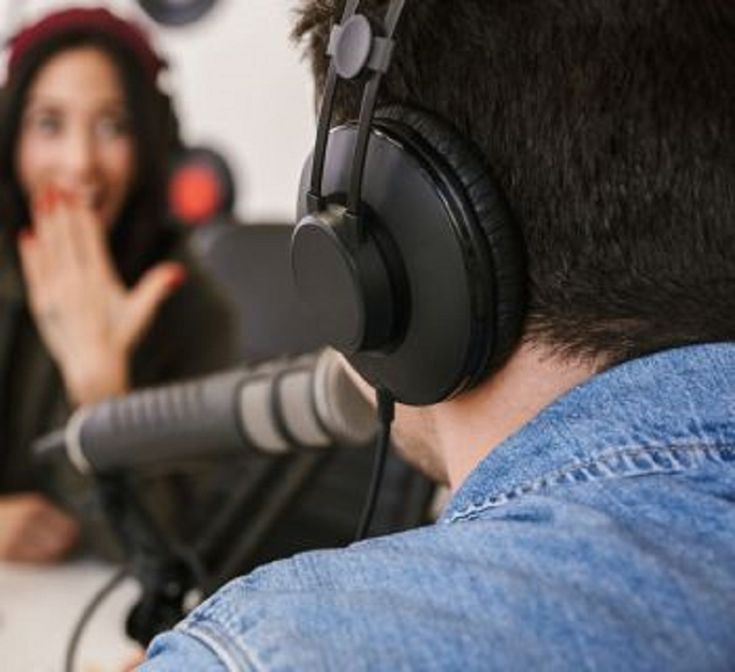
x,y
195,194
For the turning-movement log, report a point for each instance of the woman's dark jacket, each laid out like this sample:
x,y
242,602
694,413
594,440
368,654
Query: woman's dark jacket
x,y
191,335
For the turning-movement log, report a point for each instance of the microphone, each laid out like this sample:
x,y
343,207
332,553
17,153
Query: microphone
x,y
308,403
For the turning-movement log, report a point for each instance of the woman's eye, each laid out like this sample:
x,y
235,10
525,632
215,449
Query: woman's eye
x,y
113,127
47,124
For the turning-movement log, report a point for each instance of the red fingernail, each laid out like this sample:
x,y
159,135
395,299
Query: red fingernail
x,y
40,200
178,277
50,200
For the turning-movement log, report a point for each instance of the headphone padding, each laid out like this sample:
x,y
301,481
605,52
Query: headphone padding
x,y
493,216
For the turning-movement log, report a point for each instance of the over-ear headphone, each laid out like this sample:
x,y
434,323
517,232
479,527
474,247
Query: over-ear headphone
x,y
405,252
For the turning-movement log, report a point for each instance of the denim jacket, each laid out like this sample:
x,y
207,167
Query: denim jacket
x,y
599,537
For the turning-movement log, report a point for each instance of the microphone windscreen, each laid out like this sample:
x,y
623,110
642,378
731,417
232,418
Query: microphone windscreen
x,y
257,419
342,407
298,411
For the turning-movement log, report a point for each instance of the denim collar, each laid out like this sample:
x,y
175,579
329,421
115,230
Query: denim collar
x,y
679,397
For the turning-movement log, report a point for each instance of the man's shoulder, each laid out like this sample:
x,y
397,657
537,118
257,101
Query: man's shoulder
x,y
600,536
544,581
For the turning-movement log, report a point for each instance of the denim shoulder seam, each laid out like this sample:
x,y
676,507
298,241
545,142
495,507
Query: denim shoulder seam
x,y
231,655
620,464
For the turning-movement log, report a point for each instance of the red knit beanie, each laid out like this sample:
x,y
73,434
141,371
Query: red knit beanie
x,y
97,20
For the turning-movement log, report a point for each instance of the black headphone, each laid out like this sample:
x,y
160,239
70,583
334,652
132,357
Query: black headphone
x,y
406,253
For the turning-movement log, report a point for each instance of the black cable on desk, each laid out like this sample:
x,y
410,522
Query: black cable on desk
x,y
88,612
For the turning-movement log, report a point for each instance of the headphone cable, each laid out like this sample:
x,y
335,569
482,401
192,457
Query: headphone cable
x,y
386,413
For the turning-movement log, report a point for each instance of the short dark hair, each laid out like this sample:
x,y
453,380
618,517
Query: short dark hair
x,y
142,235
610,125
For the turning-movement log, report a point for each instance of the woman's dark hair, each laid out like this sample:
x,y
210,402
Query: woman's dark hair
x,y
141,235
610,125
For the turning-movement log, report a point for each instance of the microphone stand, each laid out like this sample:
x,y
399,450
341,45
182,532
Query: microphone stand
x,y
254,508
166,575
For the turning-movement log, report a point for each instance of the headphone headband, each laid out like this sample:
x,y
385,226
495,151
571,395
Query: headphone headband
x,y
354,49
405,253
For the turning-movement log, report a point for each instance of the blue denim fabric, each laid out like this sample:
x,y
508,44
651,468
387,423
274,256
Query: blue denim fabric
x,y
599,537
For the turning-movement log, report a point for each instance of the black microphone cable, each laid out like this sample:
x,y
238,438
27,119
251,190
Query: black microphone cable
x,y
140,539
95,602
89,610
386,414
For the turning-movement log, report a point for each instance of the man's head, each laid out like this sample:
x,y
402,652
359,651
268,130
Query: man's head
x,y
609,126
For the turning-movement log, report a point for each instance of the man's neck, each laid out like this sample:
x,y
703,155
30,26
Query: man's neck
x,y
469,427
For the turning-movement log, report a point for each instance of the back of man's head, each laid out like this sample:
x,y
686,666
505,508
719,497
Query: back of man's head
x,y
610,125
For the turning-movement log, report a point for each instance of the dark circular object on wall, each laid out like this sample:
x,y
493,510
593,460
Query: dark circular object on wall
x,y
176,12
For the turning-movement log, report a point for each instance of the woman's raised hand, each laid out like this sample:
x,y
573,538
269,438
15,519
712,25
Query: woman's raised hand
x,y
89,321
32,529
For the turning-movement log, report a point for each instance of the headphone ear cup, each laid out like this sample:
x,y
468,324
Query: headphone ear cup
x,y
456,261
493,216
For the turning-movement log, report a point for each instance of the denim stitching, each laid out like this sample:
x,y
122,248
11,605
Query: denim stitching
x,y
232,656
619,464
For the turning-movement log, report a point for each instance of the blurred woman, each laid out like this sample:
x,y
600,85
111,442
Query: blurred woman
x,y
96,294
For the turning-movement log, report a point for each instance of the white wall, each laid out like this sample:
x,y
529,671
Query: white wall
x,y
240,86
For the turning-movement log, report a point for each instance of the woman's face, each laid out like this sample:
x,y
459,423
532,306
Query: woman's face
x,y
75,133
